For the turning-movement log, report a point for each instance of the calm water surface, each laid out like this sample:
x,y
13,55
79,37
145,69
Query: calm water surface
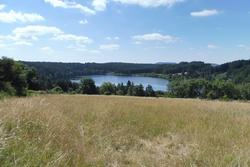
x,y
156,83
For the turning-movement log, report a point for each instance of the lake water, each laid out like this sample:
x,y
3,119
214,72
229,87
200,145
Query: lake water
x,y
156,83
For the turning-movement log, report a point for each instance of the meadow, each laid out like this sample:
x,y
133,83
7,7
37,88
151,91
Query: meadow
x,y
112,131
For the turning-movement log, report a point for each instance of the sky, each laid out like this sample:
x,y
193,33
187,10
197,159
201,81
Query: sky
x,y
135,31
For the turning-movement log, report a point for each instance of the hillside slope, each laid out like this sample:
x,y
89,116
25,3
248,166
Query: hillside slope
x,y
63,130
237,71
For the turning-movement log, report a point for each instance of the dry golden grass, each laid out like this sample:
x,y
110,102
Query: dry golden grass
x,y
63,130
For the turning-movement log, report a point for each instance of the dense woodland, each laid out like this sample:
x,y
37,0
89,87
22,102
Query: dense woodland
x,y
187,80
237,71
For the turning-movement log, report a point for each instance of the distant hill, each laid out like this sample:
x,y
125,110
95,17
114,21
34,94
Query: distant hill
x,y
237,71
165,63
69,70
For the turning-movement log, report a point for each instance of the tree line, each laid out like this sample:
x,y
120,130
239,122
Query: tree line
x,y
236,71
88,86
188,80
209,89
17,79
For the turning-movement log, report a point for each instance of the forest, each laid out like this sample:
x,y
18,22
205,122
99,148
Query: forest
x,y
187,79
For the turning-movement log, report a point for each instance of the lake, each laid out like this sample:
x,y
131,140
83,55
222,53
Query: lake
x,y
156,83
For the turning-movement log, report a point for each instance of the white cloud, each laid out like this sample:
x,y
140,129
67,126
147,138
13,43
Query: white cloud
x,y
155,37
205,13
150,3
2,6
12,16
70,5
79,41
34,31
47,50
99,5
112,38
137,42
212,46
83,22
109,47
27,35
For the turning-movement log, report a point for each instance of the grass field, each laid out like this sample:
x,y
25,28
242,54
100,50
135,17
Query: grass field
x,y
64,130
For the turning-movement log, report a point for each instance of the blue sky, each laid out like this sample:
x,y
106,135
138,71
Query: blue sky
x,y
138,31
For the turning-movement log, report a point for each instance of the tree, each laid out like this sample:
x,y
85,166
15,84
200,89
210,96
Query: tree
x,y
87,86
108,88
150,91
244,91
13,77
57,90
138,90
130,88
121,89
32,79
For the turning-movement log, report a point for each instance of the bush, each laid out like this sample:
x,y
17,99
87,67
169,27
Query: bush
x,y
87,86
108,88
56,90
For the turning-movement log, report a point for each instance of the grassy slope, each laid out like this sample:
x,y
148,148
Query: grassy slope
x,y
59,130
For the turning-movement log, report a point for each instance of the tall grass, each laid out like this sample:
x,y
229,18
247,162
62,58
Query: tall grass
x,y
62,130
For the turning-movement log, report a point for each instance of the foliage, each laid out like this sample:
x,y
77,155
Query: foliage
x,y
15,77
87,86
56,90
200,88
188,80
149,91
66,71
108,88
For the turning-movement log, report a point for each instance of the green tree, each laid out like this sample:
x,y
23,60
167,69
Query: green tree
x,y
87,86
138,90
121,89
108,88
13,75
150,91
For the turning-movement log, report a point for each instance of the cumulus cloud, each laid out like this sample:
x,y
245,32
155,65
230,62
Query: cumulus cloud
x,y
13,16
28,34
205,13
99,5
154,37
32,32
70,5
212,46
109,47
2,6
83,22
150,3
47,50
112,38
79,41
